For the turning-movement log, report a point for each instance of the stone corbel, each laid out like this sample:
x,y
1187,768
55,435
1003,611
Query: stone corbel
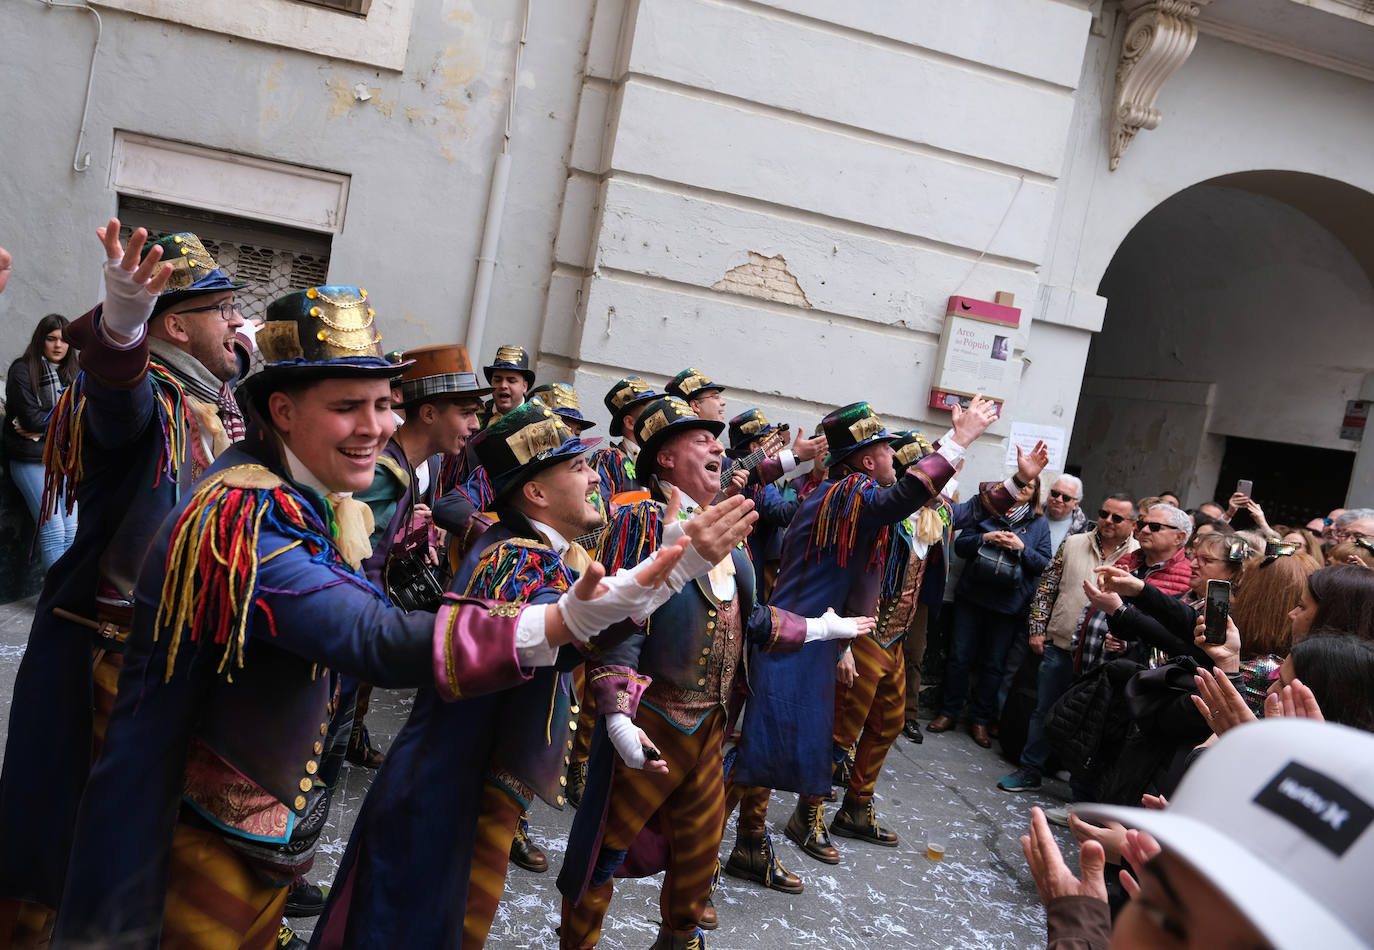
x,y
1159,36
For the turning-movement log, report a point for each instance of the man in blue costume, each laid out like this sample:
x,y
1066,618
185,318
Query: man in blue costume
x,y
249,597
663,808
150,411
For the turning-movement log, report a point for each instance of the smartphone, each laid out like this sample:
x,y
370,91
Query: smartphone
x,y
1216,611
1245,487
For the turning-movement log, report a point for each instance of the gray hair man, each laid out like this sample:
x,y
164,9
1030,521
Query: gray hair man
x,y
1062,510
1353,524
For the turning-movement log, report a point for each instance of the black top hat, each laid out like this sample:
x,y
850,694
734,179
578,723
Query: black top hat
x,y
562,399
689,384
523,442
746,427
513,358
194,271
909,446
624,396
660,421
851,428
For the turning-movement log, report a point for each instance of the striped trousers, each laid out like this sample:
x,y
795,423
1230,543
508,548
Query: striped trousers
x,y
690,804
871,712
500,814
214,902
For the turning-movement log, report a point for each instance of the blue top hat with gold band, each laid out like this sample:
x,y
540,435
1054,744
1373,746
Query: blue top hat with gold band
x,y
326,332
689,384
746,427
512,358
850,428
194,271
660,421
625,395
909,446
522,443
562,399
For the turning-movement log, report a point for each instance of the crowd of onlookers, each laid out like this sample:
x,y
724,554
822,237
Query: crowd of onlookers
x,y
1090,660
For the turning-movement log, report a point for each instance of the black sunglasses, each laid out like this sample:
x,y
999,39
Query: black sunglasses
x,y
1156,526
1056,493
1104,514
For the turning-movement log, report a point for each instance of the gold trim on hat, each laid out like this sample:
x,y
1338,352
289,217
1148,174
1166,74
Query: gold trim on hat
x,y
866,428
633,389
909,453
655,423
694,382
509,354
559,396
536,438
757,423
191,257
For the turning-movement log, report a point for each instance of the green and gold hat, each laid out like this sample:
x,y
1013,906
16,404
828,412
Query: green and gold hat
x,y
194,270
660,421
909,446
851,428
689,384
625,395
746,427
512,358
562,399
325,332
523,442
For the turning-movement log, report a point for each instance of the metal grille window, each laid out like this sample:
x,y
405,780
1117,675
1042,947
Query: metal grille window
x,y
273,260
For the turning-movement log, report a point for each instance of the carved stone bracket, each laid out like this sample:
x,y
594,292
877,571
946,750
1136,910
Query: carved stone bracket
x,y
1159,36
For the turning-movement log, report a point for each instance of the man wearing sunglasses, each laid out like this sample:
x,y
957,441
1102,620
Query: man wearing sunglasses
x,y
1063,512
150,412
1056,613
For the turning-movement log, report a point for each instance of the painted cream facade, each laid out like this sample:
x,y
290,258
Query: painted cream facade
x,y
782,193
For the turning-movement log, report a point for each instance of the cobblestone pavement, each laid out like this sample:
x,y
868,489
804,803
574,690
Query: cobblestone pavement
x,y
980,896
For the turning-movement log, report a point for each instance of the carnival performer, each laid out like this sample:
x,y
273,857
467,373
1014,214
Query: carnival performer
x,y
249,597
510,378
150,411
660,805
615,464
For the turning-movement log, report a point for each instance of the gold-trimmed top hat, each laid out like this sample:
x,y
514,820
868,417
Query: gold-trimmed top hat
x,y
440,370
509,356
660,421
562,399
524,441
321,332
909,446
625,395
747,426
851,428
689,384
194,270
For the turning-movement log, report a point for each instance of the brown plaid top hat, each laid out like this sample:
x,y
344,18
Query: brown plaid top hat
x,y
440,370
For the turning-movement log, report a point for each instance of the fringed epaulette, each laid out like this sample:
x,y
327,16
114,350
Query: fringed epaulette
x,y
450,477
512,570
634,533
895,564
836,527
62,463
212,562
477,489
610,466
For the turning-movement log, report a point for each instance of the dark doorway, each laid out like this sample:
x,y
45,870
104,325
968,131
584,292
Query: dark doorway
x,y
1293,483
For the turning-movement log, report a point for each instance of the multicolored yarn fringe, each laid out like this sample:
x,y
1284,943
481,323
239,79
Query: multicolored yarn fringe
x,y
635,532
212,564
836,527
617,473
512,571
477,489
898,558
451,475
62,463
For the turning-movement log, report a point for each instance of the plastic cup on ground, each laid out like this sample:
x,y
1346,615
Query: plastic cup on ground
x,y
935,850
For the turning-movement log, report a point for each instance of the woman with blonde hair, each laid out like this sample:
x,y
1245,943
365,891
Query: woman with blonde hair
x,y
1307,542
1267,589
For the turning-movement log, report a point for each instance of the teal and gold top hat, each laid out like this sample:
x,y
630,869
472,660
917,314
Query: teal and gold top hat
x,y
746,427
689,384
624,396
194,271
562,399
523,442
660,421
512,358
851,428
909,446
320,333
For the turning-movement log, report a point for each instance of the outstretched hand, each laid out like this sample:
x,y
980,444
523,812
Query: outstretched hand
x,y
972,422
806,449
1030,464
1219,703
1053,879
1120,582
147,272
715,532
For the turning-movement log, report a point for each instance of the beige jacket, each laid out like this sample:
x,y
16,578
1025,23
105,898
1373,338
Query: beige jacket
x,y
1056,609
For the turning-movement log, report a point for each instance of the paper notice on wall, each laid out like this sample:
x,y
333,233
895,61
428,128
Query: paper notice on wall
x,y
1026,434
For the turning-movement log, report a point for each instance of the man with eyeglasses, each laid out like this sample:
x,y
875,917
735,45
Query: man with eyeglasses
x,y
1353,524
149,413
1056,614
1063,512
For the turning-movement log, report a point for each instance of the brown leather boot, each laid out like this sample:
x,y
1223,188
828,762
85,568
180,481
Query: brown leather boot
x,y
754,860
524,852
980,735
856,819
940,724
807,828
709,920
667,940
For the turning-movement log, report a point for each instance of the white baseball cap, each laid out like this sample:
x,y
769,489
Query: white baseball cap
x,y
1279,817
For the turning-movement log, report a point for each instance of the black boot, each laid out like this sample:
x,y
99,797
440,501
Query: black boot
x,y
754,860
856,819
525,852
807,829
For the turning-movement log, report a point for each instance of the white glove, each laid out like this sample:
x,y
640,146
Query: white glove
x,y
624,597
830,626
624,735
128,305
